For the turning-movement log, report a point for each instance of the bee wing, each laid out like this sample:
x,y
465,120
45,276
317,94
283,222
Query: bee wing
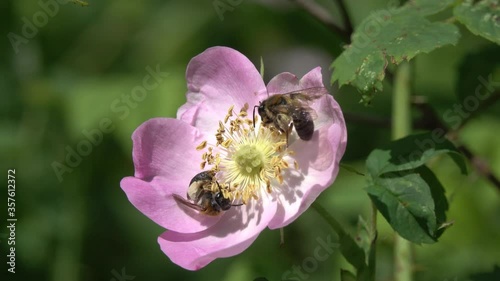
x,y
295,111
311,111
185,202
285,109
308,94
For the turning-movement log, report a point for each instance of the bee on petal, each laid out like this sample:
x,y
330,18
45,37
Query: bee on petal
x,y
289,110
202,198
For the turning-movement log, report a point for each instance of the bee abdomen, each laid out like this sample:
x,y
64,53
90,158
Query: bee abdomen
x,y
304,125
202,178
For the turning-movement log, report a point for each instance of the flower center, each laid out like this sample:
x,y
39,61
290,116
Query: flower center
x,y
249,159
246,157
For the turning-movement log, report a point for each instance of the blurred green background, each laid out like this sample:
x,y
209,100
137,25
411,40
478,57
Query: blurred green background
x,y
81,62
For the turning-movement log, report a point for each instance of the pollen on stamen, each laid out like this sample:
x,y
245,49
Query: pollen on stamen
x,y
221,127
243,111
279,146
202,145
214,187
229,113
226,193
280,179
248,158
227,143
254,196
277,170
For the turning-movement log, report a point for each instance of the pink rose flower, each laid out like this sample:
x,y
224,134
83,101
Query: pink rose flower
x,y
276,183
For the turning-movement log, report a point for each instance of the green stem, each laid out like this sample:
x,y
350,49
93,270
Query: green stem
x,y
349,248
330,219
345,16
372,261
401,127
351,169
374,222
401,115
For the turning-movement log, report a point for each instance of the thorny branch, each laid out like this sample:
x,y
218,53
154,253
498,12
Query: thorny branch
x,y
494,97
321,15
345,16
430,121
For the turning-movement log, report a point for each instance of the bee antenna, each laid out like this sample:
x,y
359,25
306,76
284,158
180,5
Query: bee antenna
x,y
218,185
253,115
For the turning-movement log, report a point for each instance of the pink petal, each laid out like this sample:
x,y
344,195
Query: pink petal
x,y
286,82
218,78
314,177
312,79
154,199
165,159
283,83
234,233
318,158
166,147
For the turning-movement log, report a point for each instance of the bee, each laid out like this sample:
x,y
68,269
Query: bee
x,y
289,110
202,198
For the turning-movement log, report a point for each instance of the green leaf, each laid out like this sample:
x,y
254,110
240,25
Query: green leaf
x,y
440,201
481,18
348,246
412,152
407,202
389,36
364,237
427,7
474,72
406,192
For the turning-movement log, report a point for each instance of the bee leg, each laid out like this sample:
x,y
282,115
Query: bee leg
x,y
187,203
289,131
253,114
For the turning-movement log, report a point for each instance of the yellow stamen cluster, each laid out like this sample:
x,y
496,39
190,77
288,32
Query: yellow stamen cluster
x,y
245,157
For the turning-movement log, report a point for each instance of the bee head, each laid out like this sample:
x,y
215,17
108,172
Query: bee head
x,y
219,202
260,110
